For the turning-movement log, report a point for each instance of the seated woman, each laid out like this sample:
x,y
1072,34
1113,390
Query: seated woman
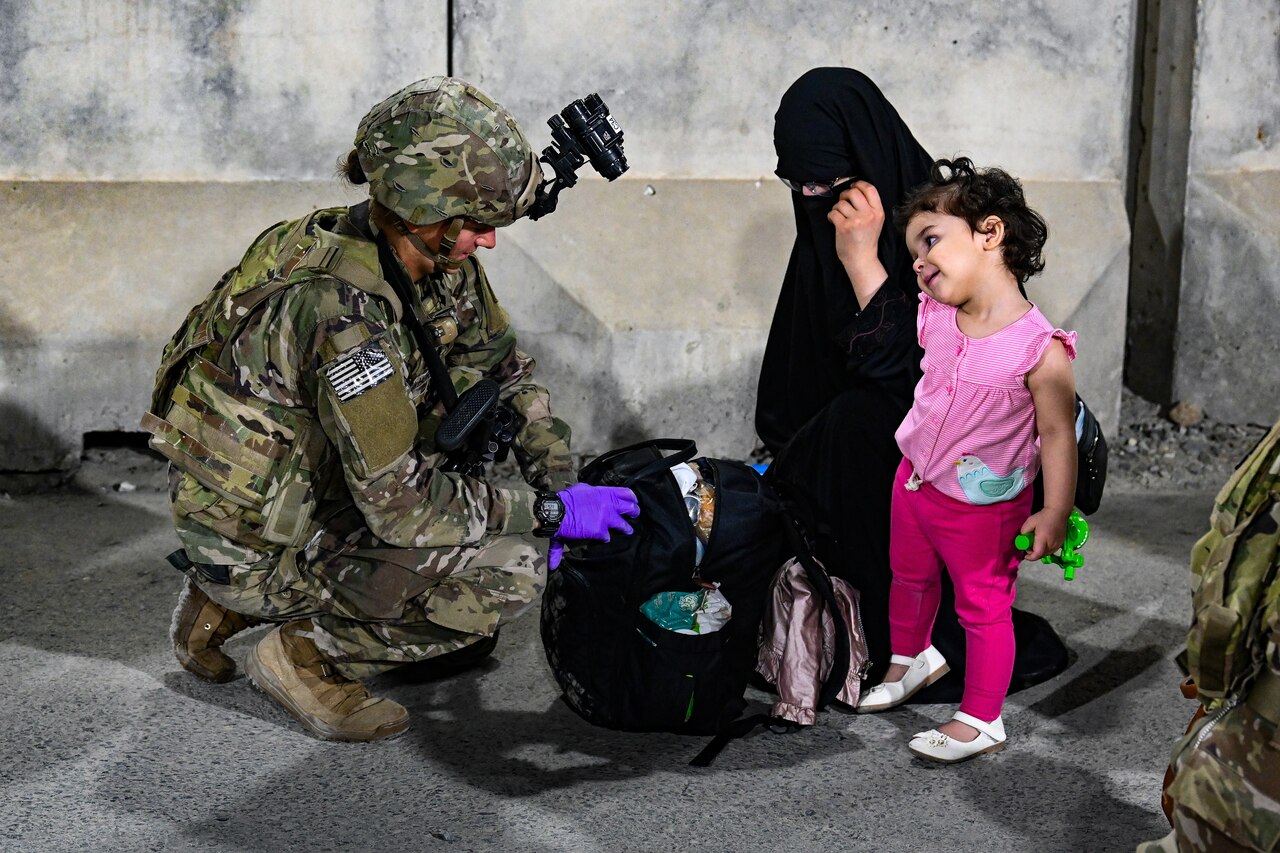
x,y
842,358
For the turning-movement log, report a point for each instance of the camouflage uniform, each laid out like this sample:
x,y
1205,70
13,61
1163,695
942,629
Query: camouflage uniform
x,y
1226,787
299,417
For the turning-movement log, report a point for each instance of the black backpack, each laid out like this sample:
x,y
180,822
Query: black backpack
x,y
616,667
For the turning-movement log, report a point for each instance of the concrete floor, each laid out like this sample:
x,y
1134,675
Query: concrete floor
x,y
109,745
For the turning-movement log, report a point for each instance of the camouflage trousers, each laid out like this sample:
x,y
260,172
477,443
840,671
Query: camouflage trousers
x,y
375,606
1226,787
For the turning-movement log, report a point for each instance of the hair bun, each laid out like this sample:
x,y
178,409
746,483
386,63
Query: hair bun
x,y
351,169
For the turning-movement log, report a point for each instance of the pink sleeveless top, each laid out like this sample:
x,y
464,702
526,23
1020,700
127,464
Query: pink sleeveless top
x,y
971,432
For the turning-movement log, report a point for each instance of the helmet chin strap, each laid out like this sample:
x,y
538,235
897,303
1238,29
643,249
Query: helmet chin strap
x,y
440,259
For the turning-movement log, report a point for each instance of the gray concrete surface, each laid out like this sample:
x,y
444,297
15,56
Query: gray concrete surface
x,y
1158,151
109,745
1228,351
143,145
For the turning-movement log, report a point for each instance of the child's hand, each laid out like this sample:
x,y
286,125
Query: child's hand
x,y
858,217
1049,529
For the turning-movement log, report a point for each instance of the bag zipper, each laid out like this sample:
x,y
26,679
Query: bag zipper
x,y
866,661
1231,702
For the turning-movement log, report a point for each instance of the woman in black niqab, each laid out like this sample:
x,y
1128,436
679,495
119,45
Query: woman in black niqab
x,y
835,123
838,377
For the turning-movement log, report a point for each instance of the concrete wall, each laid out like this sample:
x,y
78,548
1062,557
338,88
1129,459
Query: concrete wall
x,y
1163,130
1227,356
142,145
145,142
680,273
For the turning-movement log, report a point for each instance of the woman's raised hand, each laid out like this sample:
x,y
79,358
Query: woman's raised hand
x,y
858,217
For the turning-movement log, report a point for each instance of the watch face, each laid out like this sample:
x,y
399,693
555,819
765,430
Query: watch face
x,y
550,510
553,509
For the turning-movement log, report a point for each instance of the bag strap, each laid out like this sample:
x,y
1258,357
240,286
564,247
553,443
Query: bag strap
x,y
839,667
683,450
731,732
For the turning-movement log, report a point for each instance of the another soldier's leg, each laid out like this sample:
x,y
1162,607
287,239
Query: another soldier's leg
x,y
1225,790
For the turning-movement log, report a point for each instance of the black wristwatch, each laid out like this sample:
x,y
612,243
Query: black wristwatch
x,y
548,509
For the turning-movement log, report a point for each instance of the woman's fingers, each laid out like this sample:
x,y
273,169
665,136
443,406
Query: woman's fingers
x,y
870,193
842,209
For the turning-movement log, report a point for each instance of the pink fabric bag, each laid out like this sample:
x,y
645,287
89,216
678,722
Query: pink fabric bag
x,y
798,643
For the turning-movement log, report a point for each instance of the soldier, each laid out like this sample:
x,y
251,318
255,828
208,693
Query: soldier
x,y
299,403
1225,790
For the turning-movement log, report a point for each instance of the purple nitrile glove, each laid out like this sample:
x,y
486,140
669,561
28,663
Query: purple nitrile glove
x,y
592,512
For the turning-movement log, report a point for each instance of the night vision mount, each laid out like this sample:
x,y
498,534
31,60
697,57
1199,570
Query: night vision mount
x,y
584,130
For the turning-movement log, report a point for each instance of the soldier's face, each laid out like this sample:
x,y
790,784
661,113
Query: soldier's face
x,y
473,236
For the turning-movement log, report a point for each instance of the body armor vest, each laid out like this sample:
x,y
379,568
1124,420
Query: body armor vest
x,y
258,454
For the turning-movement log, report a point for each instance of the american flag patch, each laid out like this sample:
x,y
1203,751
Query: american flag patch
x,y
358,372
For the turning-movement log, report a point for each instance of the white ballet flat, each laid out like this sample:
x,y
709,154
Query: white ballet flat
x,y
935,746
925,668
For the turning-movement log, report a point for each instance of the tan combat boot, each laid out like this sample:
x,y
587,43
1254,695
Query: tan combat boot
x,y
287,666
200,626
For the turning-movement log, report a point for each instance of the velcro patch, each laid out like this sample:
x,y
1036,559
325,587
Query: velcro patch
x,y
356,373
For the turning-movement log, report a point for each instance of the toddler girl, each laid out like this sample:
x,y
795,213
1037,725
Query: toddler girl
x,y
996,405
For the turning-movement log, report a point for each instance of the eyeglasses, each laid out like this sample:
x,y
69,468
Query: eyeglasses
x,y
818,188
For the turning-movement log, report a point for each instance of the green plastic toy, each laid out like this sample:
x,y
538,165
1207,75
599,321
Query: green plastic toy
x,y
1068,558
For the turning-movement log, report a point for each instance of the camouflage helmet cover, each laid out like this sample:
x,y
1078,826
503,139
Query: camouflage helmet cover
x,y
440,148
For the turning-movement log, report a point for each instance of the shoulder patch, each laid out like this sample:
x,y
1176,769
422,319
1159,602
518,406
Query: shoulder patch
x,y
357,372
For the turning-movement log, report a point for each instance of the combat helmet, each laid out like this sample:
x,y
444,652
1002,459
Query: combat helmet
x,y
440,148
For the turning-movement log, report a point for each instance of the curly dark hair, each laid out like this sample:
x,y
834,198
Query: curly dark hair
x,y
956,188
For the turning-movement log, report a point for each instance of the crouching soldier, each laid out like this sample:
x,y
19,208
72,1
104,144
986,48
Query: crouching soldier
x,y
299,404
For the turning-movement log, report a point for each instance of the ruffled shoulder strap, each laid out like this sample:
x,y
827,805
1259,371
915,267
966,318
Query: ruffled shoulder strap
x,y
1041,333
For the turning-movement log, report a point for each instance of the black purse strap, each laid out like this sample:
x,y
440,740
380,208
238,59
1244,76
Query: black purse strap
x,y
682,450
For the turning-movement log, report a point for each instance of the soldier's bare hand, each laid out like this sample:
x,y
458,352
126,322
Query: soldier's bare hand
x,y
858,217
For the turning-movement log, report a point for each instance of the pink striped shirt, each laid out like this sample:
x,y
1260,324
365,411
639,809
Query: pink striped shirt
x,y
971,432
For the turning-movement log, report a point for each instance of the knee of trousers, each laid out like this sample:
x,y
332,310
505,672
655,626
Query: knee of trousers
x,y
258,592
497,584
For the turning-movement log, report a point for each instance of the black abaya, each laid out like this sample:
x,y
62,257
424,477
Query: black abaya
x,y
834,123
837,381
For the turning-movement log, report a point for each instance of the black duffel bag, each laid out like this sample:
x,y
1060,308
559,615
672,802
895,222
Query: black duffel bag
x,y
618,668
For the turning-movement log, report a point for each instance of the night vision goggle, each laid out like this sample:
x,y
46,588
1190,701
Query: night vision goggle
x,y
584,130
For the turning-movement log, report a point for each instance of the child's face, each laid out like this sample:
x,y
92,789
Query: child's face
x,y
949,259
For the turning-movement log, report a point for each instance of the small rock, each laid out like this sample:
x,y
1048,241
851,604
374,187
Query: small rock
x,y
1185,413
125,486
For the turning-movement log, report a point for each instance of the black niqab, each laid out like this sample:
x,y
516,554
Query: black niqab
x,y
831,123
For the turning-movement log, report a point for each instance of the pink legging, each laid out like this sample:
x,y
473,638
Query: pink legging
x,y
928,530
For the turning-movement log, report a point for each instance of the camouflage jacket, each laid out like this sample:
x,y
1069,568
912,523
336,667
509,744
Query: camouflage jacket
x,y
293,389
1234,583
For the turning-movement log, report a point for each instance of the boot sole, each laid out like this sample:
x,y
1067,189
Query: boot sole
x,y
265,680
871,709
993,748
189,664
